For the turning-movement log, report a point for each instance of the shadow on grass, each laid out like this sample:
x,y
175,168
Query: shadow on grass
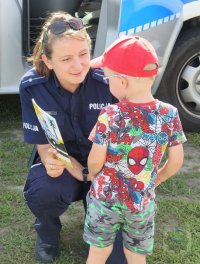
x,y
10,111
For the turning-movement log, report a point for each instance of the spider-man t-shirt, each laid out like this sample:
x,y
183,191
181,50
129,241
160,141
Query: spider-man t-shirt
x,y
136,136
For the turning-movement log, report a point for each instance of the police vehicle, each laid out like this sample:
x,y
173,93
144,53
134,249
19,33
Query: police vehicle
x,y
173,27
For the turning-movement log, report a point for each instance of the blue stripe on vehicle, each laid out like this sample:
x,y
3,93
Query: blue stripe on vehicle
x,y
147,14
188,1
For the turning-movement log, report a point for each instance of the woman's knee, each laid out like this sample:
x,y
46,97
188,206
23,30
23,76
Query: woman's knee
x,y
44,190
45,200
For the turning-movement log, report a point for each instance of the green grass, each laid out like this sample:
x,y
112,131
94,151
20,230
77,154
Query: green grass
x,y
19,150
194,137
177,236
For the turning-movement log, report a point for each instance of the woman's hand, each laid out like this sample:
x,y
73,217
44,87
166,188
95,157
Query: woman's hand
x,y
53,166
56,167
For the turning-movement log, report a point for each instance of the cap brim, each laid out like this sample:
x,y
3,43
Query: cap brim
x,y
97,62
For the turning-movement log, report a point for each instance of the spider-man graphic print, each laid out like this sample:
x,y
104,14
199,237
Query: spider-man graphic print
x,y
136,136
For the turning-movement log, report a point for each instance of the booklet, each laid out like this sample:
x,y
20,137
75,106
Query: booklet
x,y
52,132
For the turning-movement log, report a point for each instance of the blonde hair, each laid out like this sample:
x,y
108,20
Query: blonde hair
x,y
44,44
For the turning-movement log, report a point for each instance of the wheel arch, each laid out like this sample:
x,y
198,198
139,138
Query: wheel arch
x,y
171,88
188,25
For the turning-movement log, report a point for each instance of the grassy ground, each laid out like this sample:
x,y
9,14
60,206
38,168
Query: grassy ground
x,y
177,223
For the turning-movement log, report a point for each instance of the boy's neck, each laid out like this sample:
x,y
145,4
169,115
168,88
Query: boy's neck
x,y
139,90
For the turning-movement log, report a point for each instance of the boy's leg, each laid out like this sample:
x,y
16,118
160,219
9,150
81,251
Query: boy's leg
x,y
117,256
101,225
134,258
98,255
138,233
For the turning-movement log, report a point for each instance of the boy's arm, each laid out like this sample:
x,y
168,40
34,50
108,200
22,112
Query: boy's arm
x,y
172,165
96,159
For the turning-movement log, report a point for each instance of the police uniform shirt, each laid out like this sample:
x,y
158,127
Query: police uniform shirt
x,y
76,113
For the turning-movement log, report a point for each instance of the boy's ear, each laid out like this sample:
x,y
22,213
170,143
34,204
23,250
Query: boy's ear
x,y
124,81
47,62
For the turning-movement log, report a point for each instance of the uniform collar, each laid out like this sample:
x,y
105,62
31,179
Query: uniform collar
x,y
96,74
55,81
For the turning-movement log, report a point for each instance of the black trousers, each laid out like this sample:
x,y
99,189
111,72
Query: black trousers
x,y
48,198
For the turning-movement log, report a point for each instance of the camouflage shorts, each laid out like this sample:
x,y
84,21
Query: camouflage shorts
x,y
102,223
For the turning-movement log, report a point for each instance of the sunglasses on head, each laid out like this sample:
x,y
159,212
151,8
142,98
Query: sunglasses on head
x,y
59,27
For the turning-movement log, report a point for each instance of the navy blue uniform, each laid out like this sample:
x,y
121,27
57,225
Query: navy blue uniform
x,y
76,113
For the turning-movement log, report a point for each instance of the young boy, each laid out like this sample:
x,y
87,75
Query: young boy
x,y
129,140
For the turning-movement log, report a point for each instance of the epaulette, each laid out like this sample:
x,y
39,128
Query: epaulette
x,y
31,77
98,74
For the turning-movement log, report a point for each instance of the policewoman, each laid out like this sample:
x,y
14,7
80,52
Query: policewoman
x,y
63,84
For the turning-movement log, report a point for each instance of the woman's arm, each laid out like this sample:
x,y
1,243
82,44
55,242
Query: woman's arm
x,y
172,165
96,159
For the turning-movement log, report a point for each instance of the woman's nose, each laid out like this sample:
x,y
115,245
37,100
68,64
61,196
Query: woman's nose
x,y
77,64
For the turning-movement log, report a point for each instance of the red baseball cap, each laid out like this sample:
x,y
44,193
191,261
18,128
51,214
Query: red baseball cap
x,y
129,55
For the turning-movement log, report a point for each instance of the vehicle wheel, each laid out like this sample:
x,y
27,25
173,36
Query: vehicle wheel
x,y
180,84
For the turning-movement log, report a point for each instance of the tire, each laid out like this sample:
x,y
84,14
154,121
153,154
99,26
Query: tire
x,y
180,84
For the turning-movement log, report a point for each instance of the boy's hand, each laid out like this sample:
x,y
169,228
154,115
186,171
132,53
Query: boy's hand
x,y
90,177
157,182
76,171
172,165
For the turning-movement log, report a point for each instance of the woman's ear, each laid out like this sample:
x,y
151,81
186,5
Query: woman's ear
x,y
47,62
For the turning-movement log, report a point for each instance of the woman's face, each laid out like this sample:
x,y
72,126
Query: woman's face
x,y
70,61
